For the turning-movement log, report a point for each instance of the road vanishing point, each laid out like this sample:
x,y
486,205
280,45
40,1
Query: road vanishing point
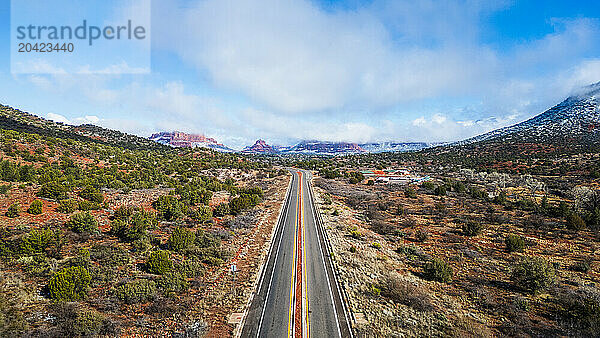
x,y
297,293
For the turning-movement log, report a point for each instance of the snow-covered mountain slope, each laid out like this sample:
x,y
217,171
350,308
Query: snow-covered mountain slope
x,y
576,120
381,147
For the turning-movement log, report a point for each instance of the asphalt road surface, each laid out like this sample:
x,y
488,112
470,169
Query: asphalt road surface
x,y
297,294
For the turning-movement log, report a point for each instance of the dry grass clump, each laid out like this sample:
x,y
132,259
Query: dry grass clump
x,y
404,291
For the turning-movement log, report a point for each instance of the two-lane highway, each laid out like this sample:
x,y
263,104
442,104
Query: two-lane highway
x,y
297,294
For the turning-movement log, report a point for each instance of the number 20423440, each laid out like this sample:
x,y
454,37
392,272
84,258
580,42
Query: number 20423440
x,y
45,47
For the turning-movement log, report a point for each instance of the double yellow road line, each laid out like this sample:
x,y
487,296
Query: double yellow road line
x,y
299,263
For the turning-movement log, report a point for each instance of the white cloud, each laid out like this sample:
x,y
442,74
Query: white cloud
x,y
58,118
294,57
88,119
587,72
439,118
419,121
294,71
117,68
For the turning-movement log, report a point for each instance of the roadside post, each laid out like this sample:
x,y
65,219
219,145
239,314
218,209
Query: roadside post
x,y
233,270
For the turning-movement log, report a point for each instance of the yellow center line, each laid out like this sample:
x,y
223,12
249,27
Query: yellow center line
x,y
304,273
293,280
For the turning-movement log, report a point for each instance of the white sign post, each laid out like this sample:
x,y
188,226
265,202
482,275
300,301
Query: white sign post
x,y
233,270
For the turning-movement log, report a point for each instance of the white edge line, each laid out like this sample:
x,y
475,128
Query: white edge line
x,y
326,274
326,241
269,254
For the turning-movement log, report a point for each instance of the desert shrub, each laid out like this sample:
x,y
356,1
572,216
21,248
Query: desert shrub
x,y
91,194
501,198
575,222
221,210
36,241
86,205
584,266
404,292
71,321
13,210
173,282
464,326
376,245
243,202
53,190
7,247
206,240
35,208
104,274
244,221
533,274
82,222
158,262
421,235
527,204
383,228
141,245
134,226
335,212
459,187
373,214
124,212
374,290
181,239
592,218
168,207
428,185
69,284
12,321
109,255
38,265
354,233
202,214
190,268
353,202
440,209
410,192
472,228
138,291
477,193
514,243
579,311
67,206
353,249
207,250
212,256
4,189
163,307
410,222
438,270
82,259
440,190
39,241
327,199
329,173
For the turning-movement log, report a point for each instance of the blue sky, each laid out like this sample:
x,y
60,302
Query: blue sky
x,y
357,71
